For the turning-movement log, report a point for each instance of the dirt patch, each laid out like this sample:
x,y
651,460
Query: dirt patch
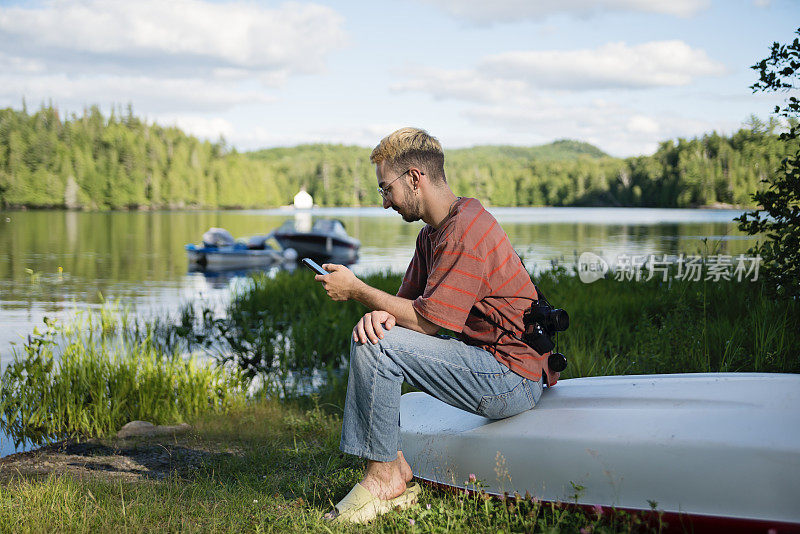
x,y
124,459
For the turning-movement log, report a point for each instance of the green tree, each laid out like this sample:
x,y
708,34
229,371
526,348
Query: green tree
x,y
779,218
121,162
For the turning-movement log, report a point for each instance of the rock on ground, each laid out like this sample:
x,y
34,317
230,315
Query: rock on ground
x,y
145,428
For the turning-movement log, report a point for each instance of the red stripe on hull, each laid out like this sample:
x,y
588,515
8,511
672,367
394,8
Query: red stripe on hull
x,y
669,521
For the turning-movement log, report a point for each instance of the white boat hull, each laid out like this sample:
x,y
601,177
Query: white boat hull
x,y
320,246
719,445
233,259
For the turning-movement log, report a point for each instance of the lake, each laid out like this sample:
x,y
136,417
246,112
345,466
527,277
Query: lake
x,y
138,257
52,262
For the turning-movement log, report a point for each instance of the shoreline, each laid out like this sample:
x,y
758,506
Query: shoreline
x,y
291,209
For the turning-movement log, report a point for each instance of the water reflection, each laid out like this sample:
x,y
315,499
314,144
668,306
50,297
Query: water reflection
x,y
302,221
139,257
222,279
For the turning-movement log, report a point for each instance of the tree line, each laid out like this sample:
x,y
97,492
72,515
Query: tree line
x,y
95,162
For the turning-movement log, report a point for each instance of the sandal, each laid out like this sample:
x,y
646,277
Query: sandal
x,y
360,506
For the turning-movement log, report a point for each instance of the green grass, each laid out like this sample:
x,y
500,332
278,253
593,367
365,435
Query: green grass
x,y
287,330
282,328
279,468
629,328
88,378
285,472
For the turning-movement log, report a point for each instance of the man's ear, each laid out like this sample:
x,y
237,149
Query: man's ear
x,y
416,176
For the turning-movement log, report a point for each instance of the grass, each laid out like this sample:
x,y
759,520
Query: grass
x,y
287,330
282,328
279,468
284,473
87,378
657,327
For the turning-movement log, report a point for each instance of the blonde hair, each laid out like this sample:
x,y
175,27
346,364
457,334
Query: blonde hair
x,y
410,147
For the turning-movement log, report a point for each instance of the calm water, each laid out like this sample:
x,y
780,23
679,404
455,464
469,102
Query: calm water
x,y
139,258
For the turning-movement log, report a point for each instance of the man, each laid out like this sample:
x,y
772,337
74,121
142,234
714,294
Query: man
x,y
466,277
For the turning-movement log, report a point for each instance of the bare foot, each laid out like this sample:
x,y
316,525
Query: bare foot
x,y
385,480
405,469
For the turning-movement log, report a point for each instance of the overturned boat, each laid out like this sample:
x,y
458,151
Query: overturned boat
x,y
707,450
220,251
327,239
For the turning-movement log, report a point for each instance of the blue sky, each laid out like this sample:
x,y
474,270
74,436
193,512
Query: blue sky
x,y
621,74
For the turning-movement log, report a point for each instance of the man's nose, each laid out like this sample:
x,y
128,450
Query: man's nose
x,y
387,203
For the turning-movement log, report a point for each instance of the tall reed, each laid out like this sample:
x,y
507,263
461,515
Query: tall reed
x,y
642,327
85,379
283,329
286,327
286,331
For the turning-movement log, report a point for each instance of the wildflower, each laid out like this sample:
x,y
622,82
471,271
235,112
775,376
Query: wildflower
x,y
255,501
472,477
598,510
587,529
411,522
427,506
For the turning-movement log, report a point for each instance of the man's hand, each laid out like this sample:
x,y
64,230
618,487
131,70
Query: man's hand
x,y
340,282
370,327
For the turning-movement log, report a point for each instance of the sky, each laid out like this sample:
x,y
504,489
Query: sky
x,y
623,75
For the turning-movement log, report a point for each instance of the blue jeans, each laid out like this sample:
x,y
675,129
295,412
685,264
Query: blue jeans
x,y
464,376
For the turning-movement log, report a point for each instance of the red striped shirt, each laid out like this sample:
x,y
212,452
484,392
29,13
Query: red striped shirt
x,y
468,264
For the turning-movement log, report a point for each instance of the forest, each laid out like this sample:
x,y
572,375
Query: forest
x,y
96,162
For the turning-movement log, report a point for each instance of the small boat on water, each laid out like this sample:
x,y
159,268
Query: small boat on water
x,y
220,251
327,239
708,450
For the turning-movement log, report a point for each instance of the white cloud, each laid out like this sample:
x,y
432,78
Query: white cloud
x,y
193,35
363,135
185,57
146,93
616,129
462,85
642,124
14,64
521,76
210,128
483,12
544,95
613,65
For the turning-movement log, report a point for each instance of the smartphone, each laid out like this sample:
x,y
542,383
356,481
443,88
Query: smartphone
x,y
311,264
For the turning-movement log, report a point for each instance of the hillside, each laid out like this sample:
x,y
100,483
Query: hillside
x,y
563,149
121,162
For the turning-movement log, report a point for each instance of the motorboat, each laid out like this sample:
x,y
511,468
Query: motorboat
x,y
220,251
707,451
327,239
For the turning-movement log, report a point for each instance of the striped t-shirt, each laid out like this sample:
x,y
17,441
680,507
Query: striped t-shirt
x,y
468,264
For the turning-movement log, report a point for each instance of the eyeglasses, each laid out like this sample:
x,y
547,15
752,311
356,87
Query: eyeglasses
x,y
384,191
